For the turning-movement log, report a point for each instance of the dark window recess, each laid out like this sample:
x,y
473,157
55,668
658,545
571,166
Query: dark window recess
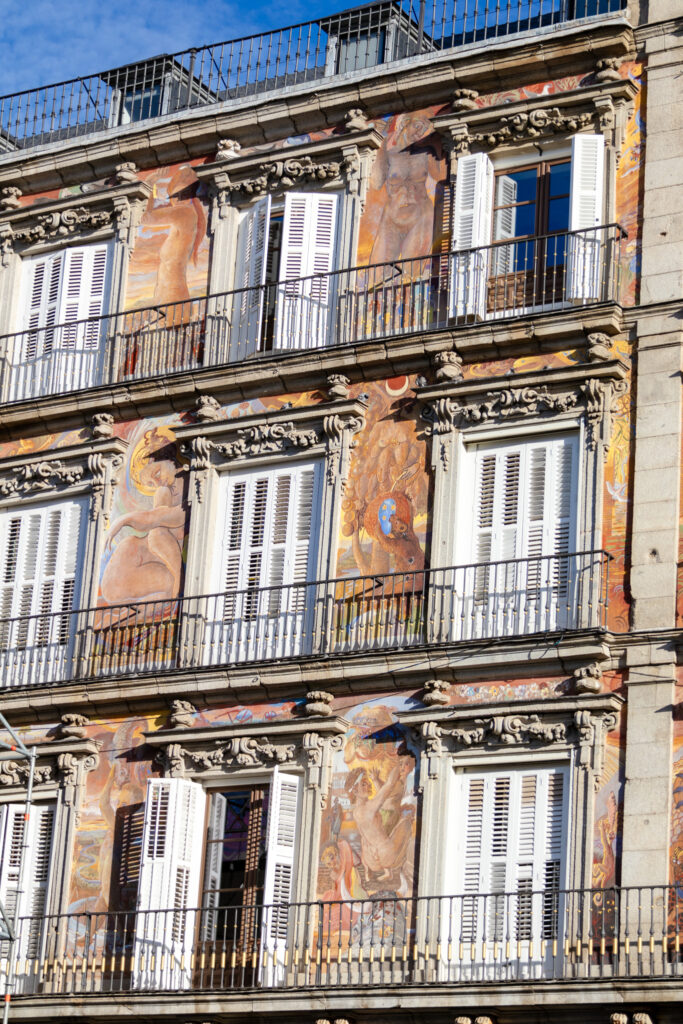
x,y
531,208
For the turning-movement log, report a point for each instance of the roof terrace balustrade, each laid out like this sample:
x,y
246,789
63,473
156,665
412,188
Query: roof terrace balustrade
x,y
496,282
357,39
527,936
328,618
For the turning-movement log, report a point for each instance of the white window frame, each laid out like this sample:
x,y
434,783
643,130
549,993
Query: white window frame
x,y
77,354
296,316
470,271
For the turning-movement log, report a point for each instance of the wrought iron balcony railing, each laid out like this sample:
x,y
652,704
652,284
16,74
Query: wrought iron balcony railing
x,y
507,279
529,935
512,598
358,39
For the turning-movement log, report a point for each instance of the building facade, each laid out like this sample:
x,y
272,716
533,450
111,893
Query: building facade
x,y
340,475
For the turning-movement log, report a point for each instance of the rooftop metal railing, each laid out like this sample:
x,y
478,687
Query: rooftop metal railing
x,y
358,39
515,597
458,289
529,935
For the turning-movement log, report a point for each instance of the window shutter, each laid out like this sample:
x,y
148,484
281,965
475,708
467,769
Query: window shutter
x,y
281,856
472,212
213,865
40,551
584,258
170,874
308,248
64,289
36,873
252,255
269,543
504,225
513,863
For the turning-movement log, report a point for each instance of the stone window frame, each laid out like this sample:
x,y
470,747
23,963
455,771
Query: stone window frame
x,y
62,768
568,730
525,126
245,754
215,446
113,213
460,413
338,163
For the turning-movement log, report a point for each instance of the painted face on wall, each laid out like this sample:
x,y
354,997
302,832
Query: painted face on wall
x,y
407,189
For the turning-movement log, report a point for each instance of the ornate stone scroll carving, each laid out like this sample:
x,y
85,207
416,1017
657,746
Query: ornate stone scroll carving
x,y
510,730
39,476
62,224
601,105
355,120
207,409
102,424
73,725
303,743
116,210
273,175
459,404
265,438
533,125
465,99
562,723
95,466
10,197
62,761
608,69
327,428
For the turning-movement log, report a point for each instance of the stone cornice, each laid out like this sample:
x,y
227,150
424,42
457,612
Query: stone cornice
x,y
558,723
91,467
93,215
490,66
307,744
589,108
584,389
59,762
327,428
329,162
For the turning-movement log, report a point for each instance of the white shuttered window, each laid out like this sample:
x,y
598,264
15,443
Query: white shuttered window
x,y
285,797
250,277
32,901
170,874
59,348
303,316
511,853
40,563
472,213
523,532
585,260
269,545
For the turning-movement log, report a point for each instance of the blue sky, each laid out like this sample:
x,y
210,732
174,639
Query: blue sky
x,y
45,41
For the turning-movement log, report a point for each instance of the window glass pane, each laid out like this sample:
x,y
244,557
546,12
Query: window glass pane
x,y
524,186
558,214
526,220
559,179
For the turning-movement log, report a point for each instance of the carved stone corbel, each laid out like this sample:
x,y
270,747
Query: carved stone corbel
x,y
588,679
338,387
435,693
447,366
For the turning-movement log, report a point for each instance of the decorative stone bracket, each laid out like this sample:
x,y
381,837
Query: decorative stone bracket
x,y
590,391
327,429
216,751
601,106
117,210
562,723
62,762
330,162
93,467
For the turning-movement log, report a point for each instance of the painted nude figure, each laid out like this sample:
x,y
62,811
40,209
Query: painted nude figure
x,y
146,563
383,844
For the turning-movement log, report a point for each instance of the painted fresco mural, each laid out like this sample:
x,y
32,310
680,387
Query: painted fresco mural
x,y
676,847
170,258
